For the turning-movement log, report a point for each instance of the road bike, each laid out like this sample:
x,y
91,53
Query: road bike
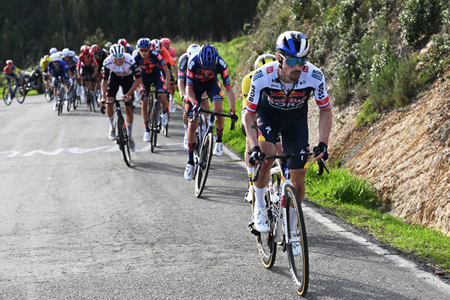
x,y
62,96
90,94
122,138
203,149
19,92
286,221
154,117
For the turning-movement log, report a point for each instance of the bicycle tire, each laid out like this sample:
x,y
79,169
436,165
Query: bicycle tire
x,y
299,263
20,94
203,164
74,98
5,96
153,129
60,107
124,145
267,248
93,102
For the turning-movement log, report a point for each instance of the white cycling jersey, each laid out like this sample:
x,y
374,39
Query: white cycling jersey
x,y
129,67
268,90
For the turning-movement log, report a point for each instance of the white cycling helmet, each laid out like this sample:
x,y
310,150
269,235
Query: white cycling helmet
x,y
117,51
192,50
66,52
54,57
53,50
156,45
71,53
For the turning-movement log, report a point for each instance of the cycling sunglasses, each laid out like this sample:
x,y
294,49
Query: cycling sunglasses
x,y
117,56
292,61
144,49
96,53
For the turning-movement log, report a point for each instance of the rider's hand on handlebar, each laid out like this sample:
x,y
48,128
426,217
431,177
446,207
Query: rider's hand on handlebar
x,y
234,117
321,151
196,107
256,155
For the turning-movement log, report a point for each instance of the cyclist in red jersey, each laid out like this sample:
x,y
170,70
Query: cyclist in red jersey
x,y
172,64
87,64
100,56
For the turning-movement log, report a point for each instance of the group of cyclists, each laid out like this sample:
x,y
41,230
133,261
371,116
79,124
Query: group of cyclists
x,y
275,110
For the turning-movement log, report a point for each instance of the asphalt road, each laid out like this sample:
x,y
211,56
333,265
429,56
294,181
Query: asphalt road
x,y
76,223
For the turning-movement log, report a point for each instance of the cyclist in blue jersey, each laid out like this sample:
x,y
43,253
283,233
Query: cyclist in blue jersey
x,y
202,72
151,62
57,69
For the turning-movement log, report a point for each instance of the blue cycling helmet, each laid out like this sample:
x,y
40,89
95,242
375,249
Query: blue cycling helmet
x,y
144,43
208,57
293,43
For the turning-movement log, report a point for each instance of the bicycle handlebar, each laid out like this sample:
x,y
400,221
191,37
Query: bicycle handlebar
x,y
197,113
286,156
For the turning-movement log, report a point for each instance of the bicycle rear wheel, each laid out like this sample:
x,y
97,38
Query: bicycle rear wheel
x,y
267,248
93,102
5,95
74,98
204,162
60,107
20,94
297,246
124,144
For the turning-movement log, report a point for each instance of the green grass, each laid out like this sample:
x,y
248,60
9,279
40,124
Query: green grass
x,y
353,199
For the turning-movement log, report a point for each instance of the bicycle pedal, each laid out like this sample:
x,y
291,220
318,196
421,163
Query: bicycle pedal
x,y
252,229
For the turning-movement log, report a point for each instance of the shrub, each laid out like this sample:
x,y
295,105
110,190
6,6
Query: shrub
x,y
420,17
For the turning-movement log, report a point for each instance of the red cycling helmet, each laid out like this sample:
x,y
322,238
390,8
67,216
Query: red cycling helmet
x,y
165,42
95,48
122,42
9,62
84,49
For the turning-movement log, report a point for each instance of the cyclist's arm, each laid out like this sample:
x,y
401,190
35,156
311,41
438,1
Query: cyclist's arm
x,y
230,96
251,128
190,94
325,122
181,88
166,71
175,73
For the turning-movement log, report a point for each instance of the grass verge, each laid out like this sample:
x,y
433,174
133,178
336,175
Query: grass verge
x,y
353,199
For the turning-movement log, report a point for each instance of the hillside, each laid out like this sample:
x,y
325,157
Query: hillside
x,y
404,146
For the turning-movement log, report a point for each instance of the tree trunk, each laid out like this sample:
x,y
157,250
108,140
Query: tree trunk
x,y
62,21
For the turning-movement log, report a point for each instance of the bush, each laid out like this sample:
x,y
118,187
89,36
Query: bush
x,y
420,17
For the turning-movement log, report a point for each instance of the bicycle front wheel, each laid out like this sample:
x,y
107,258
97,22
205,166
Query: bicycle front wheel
x,y
21,93
203,164
154,128
267,248
296,241
124,143
60,107
5,96
48,94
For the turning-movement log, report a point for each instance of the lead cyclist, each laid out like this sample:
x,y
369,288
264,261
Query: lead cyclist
x,y
277,102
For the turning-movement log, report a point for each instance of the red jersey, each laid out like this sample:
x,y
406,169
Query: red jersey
x,y
89,62
166,56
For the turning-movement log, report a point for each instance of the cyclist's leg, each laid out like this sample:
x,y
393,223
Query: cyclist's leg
x,y
295,140
127,83
215,95
8,82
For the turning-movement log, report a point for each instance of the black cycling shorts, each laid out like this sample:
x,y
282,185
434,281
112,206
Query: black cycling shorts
x,y
88,70
294,132
115,81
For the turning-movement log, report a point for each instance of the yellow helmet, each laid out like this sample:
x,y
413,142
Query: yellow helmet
x,y
264,59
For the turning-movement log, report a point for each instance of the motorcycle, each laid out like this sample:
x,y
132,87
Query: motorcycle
x,y
34,80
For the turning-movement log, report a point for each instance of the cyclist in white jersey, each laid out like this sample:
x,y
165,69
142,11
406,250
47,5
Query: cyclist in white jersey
x,y
277,102
120,69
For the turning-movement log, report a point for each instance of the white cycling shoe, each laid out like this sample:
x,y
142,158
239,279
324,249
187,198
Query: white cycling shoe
x,y
185,143
146,137
112,134
248,195
172,106
55,107
164,119
260,219
218,149
189,172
